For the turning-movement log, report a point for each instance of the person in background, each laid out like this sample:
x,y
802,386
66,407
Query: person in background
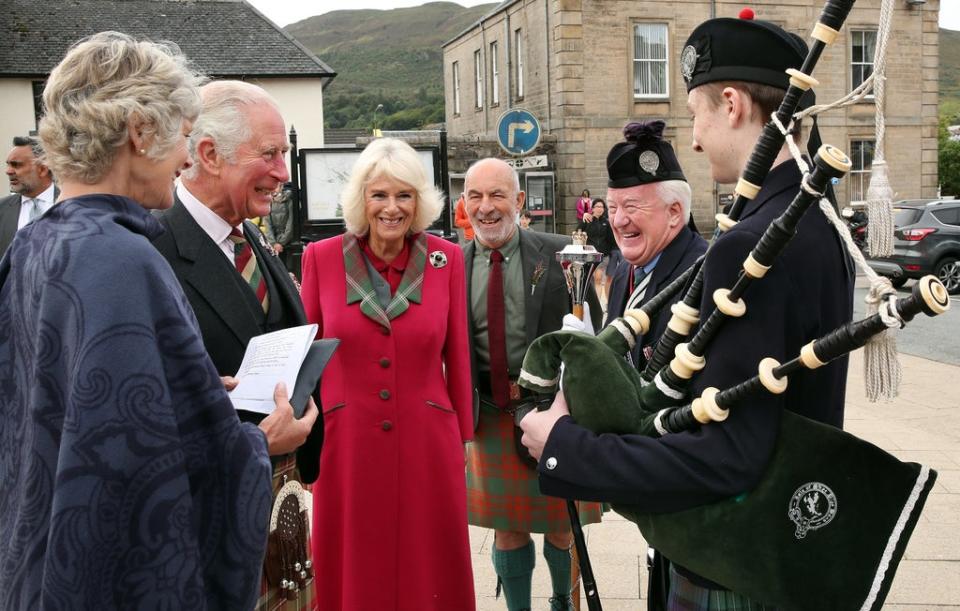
x,y
584,204
525,219
596,225
516,292
389,507
278,223
462,221
126,479
31,183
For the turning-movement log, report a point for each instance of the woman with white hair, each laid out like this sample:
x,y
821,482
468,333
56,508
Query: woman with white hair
x,y
390,500
126,479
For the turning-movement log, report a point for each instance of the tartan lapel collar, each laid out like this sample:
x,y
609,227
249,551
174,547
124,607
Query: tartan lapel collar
x,y
360,287
411,285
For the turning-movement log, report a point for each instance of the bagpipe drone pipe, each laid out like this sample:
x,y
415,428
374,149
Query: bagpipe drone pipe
x,y
768,146
830,519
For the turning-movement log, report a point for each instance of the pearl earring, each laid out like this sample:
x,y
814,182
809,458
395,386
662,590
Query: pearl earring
x,y
143,151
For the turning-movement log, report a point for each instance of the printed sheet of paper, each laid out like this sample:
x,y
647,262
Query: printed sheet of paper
x,y
270,358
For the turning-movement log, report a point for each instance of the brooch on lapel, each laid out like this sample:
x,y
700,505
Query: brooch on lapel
x,y
266,247
438,259
537,274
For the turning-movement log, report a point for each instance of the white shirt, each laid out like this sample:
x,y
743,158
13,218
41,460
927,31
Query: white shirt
x,y
211,223
45,200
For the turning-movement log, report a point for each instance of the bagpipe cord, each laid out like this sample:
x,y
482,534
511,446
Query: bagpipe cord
x,y
882,372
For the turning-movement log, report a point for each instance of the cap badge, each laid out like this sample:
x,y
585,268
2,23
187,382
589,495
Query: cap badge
x,y
649,162
688,62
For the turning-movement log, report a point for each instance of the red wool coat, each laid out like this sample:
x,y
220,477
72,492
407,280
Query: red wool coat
x,y
389,507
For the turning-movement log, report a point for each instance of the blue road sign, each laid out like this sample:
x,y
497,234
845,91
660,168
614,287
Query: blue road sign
x,y
518,131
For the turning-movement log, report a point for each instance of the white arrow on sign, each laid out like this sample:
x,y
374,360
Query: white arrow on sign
x,y
526,127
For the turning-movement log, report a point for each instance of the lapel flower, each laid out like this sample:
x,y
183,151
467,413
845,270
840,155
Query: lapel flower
x,y
537,274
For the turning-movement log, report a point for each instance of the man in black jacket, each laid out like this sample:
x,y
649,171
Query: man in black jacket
x,y
734,70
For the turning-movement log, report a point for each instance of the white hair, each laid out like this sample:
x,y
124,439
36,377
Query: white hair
x,y
223,120
675,191
394,159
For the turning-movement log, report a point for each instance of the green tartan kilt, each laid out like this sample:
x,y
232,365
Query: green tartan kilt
x,y
502,492
271,599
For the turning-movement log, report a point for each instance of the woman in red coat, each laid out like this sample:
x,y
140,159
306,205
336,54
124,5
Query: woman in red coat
x,y
390,518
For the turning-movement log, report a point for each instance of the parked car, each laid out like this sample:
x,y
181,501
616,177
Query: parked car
x,y
926,241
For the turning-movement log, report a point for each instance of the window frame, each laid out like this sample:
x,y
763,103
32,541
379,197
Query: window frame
x,y
861,64
494,75
664,61
455,69
859,176
478,78
518,51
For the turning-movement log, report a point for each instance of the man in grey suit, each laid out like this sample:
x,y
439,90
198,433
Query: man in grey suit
x,y
515,292
32,186
237,286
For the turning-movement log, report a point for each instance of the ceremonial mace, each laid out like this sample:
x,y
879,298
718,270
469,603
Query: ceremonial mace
x,y
578,261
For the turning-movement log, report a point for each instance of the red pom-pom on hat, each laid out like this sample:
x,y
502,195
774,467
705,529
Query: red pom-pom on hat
x,y
747,13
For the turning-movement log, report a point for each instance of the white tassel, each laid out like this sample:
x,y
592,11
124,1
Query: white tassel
x,y
879,212
881,368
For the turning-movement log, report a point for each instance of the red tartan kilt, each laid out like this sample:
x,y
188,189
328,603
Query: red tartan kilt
x,y
503,493
270,598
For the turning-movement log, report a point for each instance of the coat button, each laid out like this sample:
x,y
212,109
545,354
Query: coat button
x,y
384,394
385,330
386,425
551,463
384,362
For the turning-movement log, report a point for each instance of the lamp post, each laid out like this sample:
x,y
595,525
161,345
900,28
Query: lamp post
x,y
376,129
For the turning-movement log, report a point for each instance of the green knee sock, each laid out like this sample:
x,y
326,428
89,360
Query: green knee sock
x,y
514,570
558,561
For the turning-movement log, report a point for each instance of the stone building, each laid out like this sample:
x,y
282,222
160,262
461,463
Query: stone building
x,y
585,68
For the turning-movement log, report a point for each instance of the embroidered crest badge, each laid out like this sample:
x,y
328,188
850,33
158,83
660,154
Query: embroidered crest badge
x,y
812,506
688,62
649,162
438,259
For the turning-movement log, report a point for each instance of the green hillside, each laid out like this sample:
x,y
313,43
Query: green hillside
x,y
949,66
392,57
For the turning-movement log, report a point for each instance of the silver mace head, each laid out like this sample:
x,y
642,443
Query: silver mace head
x,y
578,260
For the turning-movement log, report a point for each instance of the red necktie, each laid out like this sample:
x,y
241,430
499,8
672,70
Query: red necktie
x,y
497,333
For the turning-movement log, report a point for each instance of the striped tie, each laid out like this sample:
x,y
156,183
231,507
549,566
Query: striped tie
x,y
247,266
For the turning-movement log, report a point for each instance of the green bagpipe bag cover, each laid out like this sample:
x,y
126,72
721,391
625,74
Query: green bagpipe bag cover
x,y
825,528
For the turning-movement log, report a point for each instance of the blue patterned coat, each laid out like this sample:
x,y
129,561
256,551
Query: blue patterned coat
x,y
126,480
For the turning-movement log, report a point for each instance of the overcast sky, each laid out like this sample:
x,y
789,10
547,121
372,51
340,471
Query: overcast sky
x,y
285,12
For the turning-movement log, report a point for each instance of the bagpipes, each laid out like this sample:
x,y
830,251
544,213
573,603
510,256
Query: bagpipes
x,y
782,542
830,520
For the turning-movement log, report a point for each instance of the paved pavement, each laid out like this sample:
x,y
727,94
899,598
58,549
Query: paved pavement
x,y
922,425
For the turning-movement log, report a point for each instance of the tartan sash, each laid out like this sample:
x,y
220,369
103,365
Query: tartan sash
x,y
360,287
246,264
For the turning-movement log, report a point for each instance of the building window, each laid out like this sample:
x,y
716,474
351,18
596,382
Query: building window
x,y
38,87
478,78
861,56
518,45
650,69
494,75
456,88
861,155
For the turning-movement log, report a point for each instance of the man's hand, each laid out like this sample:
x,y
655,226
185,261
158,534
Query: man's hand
x,y
284,432
572,323
229,382
538,425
